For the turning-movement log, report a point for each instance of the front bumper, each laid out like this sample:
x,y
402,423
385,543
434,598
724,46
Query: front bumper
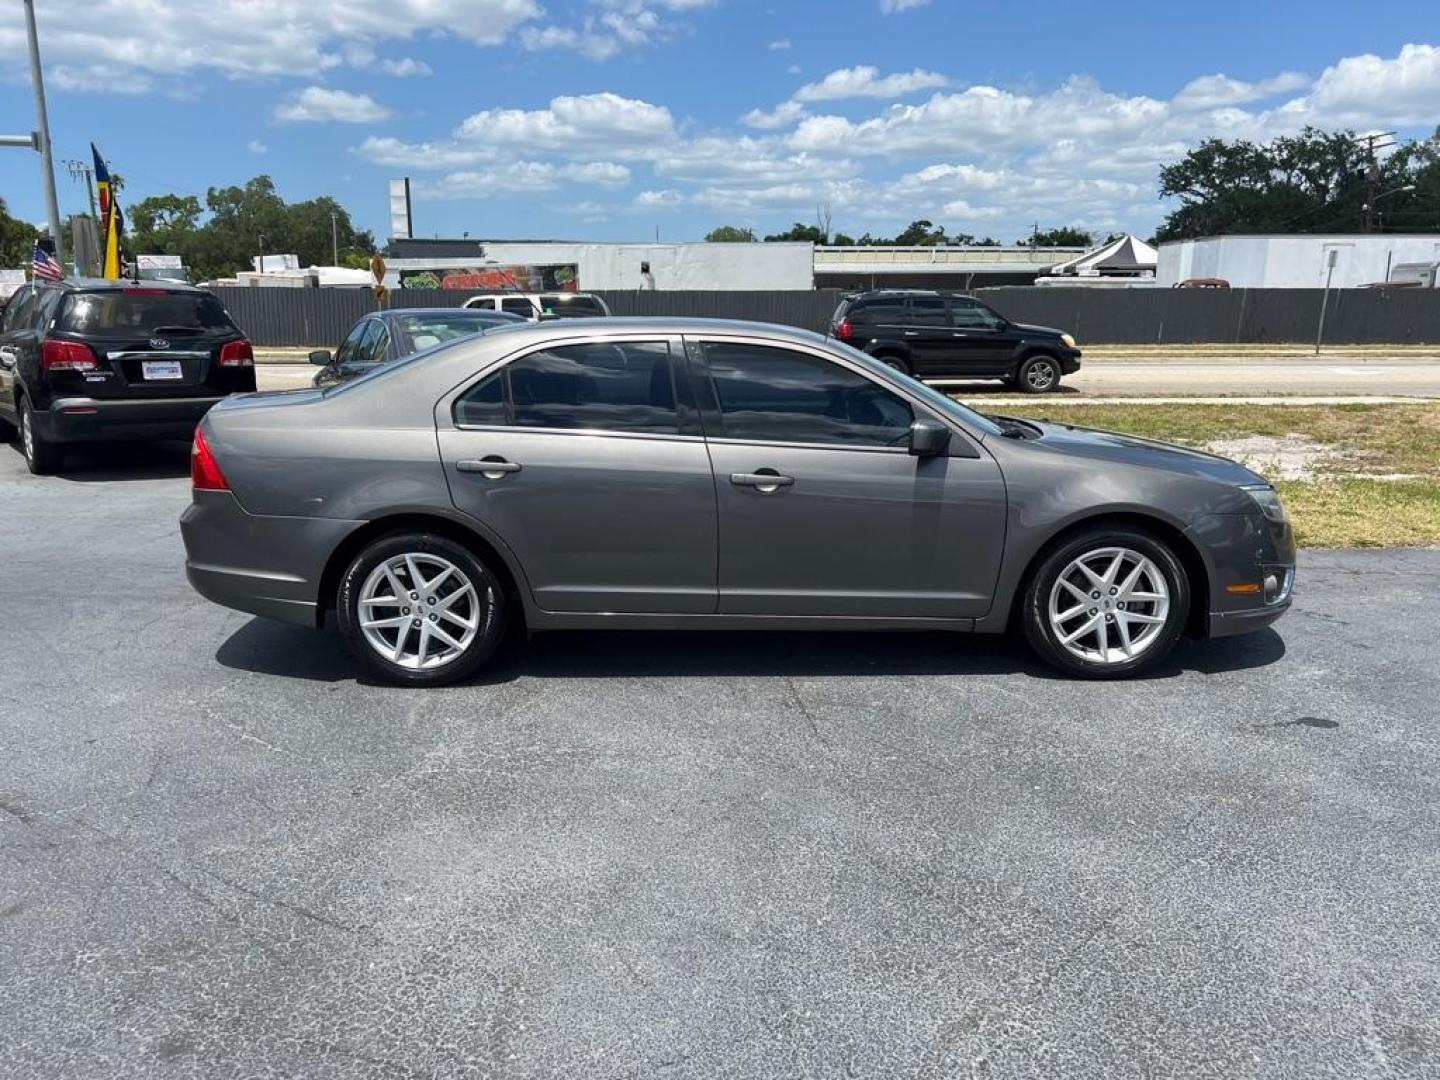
x,y
1070,361
84,419
262,564
1250,564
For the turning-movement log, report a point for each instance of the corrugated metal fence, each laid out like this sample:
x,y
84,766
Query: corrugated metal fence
x,y
320,317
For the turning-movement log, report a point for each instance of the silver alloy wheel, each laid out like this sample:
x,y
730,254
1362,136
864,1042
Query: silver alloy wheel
x,y
1109,606
1040,375
419,610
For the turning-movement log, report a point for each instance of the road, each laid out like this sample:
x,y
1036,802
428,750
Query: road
x,y
703,856
1200,377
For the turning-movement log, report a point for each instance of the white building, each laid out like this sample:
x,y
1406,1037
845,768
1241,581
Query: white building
x,y
1294,262
613,266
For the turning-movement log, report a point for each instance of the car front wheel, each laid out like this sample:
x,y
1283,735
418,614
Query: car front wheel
x,y
1107,604
420,610
1038,375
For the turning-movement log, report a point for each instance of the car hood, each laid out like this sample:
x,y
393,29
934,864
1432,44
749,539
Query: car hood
x,y
1030,328
1145,453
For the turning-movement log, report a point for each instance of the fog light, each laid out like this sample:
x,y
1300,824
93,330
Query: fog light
x,y
1272,588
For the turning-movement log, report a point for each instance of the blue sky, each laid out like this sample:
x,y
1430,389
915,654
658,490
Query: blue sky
x,y
608,119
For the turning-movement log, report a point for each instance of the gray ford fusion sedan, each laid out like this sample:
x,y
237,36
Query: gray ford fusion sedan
x,y
693,474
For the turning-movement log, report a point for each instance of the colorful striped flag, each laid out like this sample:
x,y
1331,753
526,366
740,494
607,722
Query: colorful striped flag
x,y
111,221
44,266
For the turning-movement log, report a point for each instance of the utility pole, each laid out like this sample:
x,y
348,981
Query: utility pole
x,y
1372,175
334,242
77,170
42,136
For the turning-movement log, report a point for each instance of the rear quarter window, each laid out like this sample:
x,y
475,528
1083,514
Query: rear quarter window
x,y
879,311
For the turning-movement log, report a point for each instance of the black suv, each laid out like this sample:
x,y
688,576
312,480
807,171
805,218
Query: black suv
x,y
935,335
89,360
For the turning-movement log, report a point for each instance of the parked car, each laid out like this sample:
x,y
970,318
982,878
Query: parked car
x,y
696,474
937,335
534,306
389,335
89,360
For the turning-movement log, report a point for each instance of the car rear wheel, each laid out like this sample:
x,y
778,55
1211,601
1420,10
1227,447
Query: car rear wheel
x,y
890,360
1107,604
41,456
1038,375
420,609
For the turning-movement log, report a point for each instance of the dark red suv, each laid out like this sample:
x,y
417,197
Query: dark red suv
x,y
93,360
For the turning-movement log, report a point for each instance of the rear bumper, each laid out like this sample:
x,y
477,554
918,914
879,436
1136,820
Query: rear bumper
x,y
83,419
270,566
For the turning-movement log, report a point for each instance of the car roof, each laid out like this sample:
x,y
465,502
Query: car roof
x,y
629,325
93,284
469,313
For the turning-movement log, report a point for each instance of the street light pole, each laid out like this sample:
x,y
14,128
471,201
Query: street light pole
x,y
42,136
334,242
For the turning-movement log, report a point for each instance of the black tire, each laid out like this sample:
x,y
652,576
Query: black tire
x,y
42,457
1038,374
890,360
488,611
1046,641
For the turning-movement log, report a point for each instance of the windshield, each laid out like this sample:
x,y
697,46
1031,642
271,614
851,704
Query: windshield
x,y
946,405
143,311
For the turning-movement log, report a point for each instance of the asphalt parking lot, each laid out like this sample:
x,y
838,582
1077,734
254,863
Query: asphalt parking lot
x,y
640,855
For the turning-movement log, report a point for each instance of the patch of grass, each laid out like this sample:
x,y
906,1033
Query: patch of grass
x,y
1343,506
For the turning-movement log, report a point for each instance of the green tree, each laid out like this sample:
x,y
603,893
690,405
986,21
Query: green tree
x,y
841,240
17,240
799,233
730,234
1316,181
1065,236
920,233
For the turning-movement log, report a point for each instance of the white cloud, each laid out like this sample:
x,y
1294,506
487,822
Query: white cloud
x,y
783,115
255,146
890,7
319,104
1212,91
513,176
866,81
604,123
131,46
395,154
659,200
404,67
613,26
1368,90
794,69
779,45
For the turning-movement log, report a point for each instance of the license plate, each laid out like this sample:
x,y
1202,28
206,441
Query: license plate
x,y
161,369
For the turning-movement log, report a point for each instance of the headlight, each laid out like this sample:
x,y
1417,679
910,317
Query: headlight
x,y
1268,500
1068,340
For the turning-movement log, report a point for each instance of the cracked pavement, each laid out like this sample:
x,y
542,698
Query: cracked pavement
x,y
698,855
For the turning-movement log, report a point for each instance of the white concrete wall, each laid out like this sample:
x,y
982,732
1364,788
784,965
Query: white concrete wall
x,y
1292,262
674,266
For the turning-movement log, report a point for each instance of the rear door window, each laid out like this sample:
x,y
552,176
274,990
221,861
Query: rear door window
x,y
133,312
597,386
568,305
928,311
518,305
17,311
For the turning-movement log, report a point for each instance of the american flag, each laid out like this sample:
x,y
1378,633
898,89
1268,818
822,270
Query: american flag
x,y
44,266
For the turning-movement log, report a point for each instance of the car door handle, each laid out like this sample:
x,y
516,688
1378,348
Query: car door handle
x,y
912,333
492,468
765,480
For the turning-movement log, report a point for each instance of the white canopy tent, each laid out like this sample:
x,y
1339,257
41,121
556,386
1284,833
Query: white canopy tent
x,y
1125,257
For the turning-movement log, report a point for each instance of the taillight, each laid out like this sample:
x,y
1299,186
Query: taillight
x,y
205,474
66,356
237,354
844,331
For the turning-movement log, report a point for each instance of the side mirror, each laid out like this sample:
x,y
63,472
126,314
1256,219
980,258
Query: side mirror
x,y
929,438
320,357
